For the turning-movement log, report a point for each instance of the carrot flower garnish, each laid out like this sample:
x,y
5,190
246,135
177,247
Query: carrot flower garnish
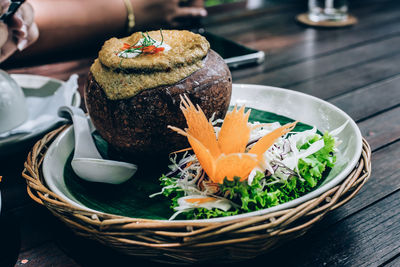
x,y
225,157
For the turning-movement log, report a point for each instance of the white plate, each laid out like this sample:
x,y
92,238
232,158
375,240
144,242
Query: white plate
x,y
295,105
40,90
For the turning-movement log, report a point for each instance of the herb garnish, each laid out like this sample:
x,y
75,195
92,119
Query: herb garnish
x,y
147,46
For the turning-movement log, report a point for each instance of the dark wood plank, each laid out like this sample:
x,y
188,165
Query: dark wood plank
x,y
394,262
46,255
331,85
263,33
365,102
326,64
355,68
382,129
308,43
368,238
10,240
37,225
267,18
280,19
14,195
13,186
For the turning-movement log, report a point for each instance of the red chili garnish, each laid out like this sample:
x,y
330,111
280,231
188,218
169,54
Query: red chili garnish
x,y
126,46
160,49
151,49
155,50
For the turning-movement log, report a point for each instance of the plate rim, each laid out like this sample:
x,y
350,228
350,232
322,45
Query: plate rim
x,y
319,191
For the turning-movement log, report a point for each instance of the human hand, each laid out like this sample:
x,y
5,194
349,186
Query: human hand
x,y
153,14
19,32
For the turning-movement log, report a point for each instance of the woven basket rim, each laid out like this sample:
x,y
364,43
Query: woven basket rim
x,y
40,181
233,218
188,242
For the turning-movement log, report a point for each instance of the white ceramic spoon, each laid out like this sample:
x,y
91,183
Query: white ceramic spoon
x,y
87,162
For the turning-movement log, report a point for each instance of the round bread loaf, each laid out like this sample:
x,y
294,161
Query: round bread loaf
x,y
136,126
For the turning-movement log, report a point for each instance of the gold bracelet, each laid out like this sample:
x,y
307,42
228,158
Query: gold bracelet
x,y
131,17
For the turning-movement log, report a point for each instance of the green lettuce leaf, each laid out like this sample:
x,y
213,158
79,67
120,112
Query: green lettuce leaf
x,y
262,193
312,167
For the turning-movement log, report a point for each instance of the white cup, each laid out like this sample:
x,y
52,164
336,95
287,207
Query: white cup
x,y
13,109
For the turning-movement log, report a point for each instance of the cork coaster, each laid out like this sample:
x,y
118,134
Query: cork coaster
x,y
303,18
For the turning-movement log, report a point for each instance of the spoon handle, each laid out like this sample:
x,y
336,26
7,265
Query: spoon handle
x,y
84,144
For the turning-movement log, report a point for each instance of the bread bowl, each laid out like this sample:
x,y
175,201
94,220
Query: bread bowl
x,y
132,100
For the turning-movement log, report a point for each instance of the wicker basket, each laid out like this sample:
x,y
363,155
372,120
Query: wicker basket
x,y
192,242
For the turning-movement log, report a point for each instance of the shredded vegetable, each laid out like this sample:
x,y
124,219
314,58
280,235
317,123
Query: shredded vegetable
x,y
239,167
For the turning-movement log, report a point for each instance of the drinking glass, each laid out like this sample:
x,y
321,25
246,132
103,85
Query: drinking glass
x,y
327,10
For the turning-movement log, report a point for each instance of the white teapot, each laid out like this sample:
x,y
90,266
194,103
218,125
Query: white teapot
x,y
13,109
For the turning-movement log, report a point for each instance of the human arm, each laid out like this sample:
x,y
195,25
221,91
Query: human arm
x,y
67,25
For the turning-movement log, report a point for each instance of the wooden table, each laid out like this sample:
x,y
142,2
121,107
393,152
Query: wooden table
x,y
356,69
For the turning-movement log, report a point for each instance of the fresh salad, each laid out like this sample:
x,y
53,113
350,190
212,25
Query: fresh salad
x,y
239,167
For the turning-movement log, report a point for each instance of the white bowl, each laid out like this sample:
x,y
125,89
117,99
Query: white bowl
x,y
295,105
